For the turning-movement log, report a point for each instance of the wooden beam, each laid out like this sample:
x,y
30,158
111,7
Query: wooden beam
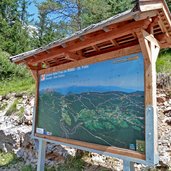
x,y
149,5
144,46
167,15
150,51
73,56
44,56
152,24
94,59
164,29
112,150
150,38
149,44
113,48
36,67
144,15
119,32
34,74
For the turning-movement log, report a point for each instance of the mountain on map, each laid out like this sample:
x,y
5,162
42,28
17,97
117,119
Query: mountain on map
x,y
83,89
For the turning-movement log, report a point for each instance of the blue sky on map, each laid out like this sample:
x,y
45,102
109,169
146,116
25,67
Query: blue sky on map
x,y
127,75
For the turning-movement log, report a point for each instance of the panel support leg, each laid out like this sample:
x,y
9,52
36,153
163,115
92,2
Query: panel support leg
x,y
41,155
128,166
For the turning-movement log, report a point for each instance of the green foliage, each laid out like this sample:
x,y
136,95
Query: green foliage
x,y
3,106
13,78
7,158
72,164
13,108
47,29
21,113
14,35
10,70
117,6
17,85
164,62
28,168
168,3
94,11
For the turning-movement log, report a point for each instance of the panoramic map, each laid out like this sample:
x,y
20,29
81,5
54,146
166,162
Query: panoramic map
x,y
101,103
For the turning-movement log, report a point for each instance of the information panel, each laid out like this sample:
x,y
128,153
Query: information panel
x,y
101,103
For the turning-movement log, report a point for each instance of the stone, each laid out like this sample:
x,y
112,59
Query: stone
x,y
18,95
165,103
18,106
168,121
32,102
160,99
25,96
169,101
168,109
28,119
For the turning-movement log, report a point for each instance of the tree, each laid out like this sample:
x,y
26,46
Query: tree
x,y
14,35
47,29
117,6
94,11
23,11
78,14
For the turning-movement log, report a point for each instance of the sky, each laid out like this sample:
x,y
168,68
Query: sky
x,y
118,72
32,9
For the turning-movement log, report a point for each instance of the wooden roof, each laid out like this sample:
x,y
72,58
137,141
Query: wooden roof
x,y
113,34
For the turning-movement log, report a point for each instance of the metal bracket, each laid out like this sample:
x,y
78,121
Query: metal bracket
x,y
41,155
151,133
128,165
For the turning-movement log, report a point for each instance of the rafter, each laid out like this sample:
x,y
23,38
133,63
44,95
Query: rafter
x,y
97,58
119,32
149,45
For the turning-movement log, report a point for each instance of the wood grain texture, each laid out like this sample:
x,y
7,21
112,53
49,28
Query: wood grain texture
x,y
112,150
98,58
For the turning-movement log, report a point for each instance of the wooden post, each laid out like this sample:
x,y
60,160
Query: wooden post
x,y
150,49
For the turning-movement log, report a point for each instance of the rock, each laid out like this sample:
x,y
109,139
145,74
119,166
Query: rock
x,y
98,159
18,106
167,110
7,97
28,110
160,99
165,103
168,121
18,95
32,102
169,101
25,96
28,119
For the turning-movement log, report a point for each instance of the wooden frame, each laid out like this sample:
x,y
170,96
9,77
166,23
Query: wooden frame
x,y
112,150
147,52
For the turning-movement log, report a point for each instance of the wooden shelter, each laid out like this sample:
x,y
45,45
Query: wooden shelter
x,y
125,33
146,28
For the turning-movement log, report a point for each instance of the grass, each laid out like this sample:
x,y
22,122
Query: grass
x,y
21,113
17,85
3,106
164,62
72,164
28,168
13,108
